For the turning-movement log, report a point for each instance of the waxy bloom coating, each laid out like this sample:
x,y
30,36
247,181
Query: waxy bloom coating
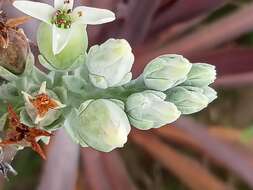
x,y
110,64
149,109
166,71
101,124
188,99
201,75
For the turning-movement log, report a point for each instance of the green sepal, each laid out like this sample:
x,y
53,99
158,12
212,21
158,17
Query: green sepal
x,y
3,120
56,124
79,61
25,119
7,75
10,94
62,94
40,77
75,84
70,125
29,65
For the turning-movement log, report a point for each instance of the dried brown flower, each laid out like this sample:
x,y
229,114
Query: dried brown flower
x,y
20,134
43,103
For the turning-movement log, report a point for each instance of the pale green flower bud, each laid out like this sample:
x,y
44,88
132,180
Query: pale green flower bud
x,y
76,47
210,93
110,64
103,125
149,109
166,72
201,74
188,99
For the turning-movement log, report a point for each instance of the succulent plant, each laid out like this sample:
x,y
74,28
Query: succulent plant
x,y
92,94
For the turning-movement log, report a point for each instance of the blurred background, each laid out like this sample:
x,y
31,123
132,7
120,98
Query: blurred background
x,y
213,150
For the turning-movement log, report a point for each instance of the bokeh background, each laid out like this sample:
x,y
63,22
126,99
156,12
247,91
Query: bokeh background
x,y
213,150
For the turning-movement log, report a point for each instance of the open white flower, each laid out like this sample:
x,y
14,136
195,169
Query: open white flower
x,y
62,17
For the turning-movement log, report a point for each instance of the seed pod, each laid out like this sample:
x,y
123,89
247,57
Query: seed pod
x,y
14,47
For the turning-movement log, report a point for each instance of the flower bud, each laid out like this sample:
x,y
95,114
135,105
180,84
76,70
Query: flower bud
x,y
148,110
166,72
43,108
188,99
110,64
103,125
201,75
76,46
13,51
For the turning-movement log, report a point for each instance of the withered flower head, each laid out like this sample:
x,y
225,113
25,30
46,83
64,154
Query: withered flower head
x,y
43,103
42,107
14,46
20,134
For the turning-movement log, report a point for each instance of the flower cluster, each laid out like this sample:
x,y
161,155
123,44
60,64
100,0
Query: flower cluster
x,y
97,102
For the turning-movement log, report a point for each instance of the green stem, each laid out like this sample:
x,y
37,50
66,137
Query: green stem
x,y
119,93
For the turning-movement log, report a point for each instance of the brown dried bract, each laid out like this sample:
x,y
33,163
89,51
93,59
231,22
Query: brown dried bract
x,y
43,103
4,39
6,25
20,134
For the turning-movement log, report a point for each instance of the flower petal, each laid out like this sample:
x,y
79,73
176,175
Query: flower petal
x,y
41,11
60,39
43,88
27,96
89,15
66,4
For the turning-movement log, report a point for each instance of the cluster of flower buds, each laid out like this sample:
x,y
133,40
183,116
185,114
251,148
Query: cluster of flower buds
x,y
169,87
97,102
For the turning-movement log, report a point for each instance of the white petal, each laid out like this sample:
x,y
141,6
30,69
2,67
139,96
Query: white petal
x,y
27,97
60,39
43,88
41,11
89,15
66,4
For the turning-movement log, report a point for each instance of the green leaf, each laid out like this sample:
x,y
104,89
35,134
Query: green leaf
x,y
61,93
3,120
75,84
7,75
10,94
29,64
40,77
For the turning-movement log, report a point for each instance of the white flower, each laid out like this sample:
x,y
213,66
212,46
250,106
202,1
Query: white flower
x,y
42,108
61,17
